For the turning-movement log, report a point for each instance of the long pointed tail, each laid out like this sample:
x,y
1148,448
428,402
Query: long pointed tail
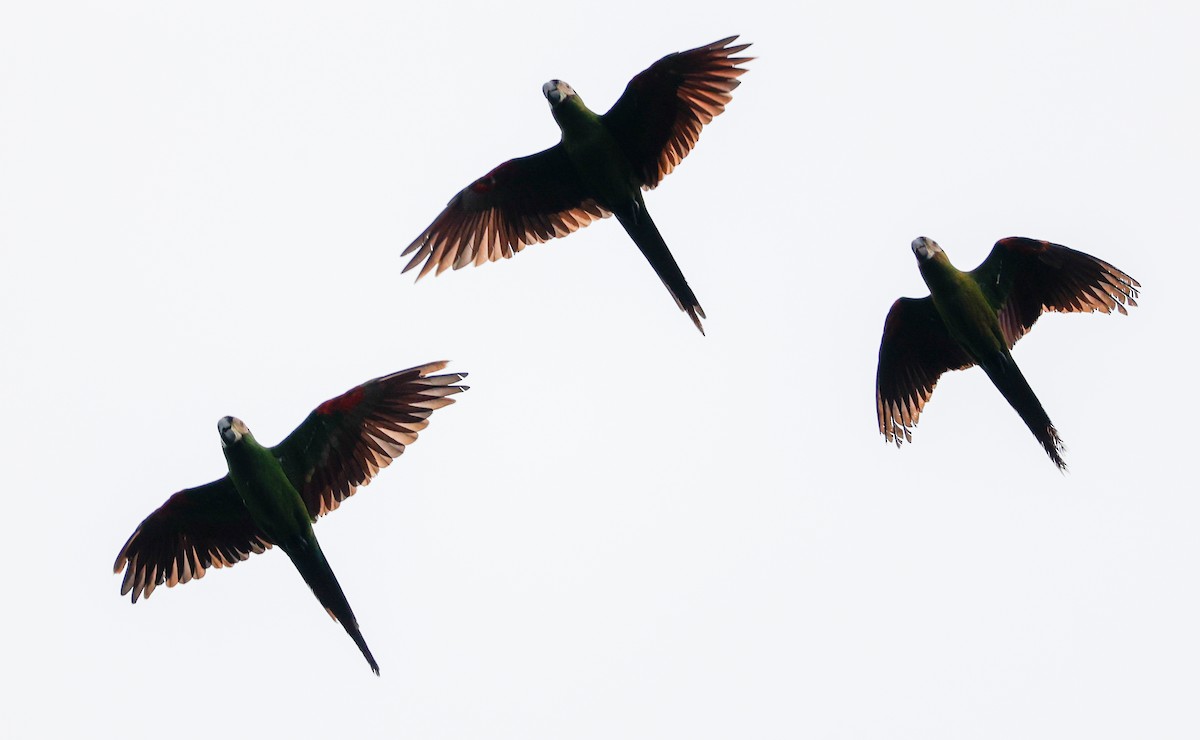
x,y
641,229
310,561
1008,379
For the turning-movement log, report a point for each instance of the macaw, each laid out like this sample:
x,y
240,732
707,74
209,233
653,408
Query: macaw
x,y
975,318
598,169
273,495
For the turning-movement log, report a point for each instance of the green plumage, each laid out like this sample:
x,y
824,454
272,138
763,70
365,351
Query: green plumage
x,y
272,500
601,165
960,302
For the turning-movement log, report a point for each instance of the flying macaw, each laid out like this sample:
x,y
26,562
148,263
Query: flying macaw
x,y
272,495
598,169
975,318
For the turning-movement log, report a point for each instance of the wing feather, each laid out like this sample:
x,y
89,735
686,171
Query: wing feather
x,y
657,120
345,441
195,529
523,201
915,350
1024,278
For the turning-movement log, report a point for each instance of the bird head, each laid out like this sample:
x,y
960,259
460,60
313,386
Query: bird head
x,y
925,248
231,429
557,91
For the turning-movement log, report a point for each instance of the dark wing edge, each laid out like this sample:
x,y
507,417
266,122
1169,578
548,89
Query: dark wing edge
x,y
915,350
346,440
1028,277
524,201
657,119
195,529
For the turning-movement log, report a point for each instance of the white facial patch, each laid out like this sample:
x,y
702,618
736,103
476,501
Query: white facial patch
x,y
925,248
557,91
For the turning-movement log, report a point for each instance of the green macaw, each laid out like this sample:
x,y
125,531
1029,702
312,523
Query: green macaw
x,y
598,169
975,318
272,495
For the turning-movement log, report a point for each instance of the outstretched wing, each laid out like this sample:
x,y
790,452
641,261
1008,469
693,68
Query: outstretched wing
x,y
1024,277
658,118
523,201
345,441
916,349
195,529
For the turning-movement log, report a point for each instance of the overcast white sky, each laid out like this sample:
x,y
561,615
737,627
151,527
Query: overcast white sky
x,y
623,529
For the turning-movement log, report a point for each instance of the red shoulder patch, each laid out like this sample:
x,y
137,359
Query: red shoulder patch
x,y
345,402
177,504
894,319
488,181
1026,245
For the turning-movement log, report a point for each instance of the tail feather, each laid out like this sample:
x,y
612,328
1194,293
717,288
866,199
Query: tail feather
x,y
315,570
641,229
1008,378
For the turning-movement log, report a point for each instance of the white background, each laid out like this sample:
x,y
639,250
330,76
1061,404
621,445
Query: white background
x,y
624,530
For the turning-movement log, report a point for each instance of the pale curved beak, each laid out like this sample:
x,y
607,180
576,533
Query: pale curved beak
x,y
556,91
925,247
229,435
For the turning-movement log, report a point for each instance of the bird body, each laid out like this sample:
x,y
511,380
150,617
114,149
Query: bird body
x,y
272,501
975,318
602,167
272,495
599,168
609,177
960,302
973,323
277,508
